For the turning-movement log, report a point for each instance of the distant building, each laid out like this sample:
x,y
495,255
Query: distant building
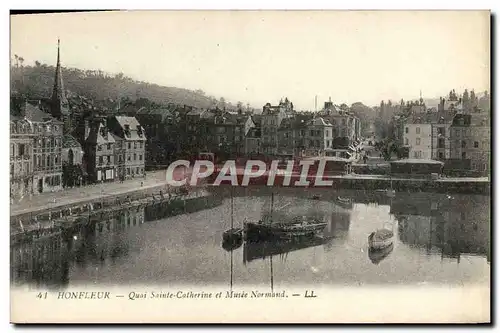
x,y
470,140
162,134
253,142
272,116
344,123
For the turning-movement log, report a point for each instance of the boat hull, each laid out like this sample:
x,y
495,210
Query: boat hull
x,y
376,243
266,232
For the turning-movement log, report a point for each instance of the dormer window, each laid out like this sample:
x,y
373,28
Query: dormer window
x,y
139,131
127,130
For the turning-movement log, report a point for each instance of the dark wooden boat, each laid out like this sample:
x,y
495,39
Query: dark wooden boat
x,y
376,256
261,231
269,230
232,243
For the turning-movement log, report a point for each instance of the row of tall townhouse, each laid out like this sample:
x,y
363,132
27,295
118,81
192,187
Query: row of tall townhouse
x,y
115,148
458,133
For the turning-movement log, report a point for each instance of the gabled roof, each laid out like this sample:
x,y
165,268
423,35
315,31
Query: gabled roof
x,y
319,121
95,135
69,141
431,117
133,128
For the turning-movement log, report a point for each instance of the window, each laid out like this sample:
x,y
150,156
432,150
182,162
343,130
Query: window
x,y
440,143
140,157
406,141
128,171
140,144
440,130
135,145
406,130
464,144
137,170
464,155
441,155
109,146
417,142
21,149
99,147
128,157
129,146
476,144
135,157
100,160
417,130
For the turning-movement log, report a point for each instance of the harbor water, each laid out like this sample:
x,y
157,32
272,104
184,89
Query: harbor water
x,y
439,239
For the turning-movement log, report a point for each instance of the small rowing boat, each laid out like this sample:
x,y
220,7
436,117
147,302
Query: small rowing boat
x,y
380,239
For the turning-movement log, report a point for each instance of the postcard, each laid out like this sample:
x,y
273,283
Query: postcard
x,y
263,166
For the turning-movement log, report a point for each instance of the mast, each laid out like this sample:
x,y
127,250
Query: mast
x,y
232,211
272,278
272,205
231,276
271,257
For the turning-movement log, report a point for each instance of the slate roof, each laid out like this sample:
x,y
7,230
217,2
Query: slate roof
x,y
431,117
69,141
95,135
133,125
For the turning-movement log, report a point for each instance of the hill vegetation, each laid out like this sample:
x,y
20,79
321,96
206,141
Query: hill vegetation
x,y
37,82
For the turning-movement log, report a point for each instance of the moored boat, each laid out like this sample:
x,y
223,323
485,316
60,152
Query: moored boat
x,y
380,239
261,231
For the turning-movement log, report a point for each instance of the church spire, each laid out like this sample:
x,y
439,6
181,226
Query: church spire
x,y
59,100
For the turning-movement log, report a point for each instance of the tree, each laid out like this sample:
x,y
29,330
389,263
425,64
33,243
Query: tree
x,y
222,103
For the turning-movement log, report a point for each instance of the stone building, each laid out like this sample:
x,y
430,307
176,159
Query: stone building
x,y
134,144
271,119
47,151
470,141
21,157
99,151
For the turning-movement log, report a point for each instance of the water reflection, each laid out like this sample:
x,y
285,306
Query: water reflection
x,y
450,226
376,256
263,250
154,245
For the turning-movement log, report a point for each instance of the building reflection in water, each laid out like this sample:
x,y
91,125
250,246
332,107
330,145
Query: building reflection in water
x,y
449,225
46,262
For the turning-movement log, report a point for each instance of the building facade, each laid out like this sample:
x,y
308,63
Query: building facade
x,y
418,136
271,119
470,141
21,157
134,144
99,151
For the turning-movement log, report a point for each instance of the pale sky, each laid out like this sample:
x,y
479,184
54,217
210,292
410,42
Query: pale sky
x,y
261,56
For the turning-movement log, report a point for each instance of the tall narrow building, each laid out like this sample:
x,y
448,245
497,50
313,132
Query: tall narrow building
x,y
59,102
